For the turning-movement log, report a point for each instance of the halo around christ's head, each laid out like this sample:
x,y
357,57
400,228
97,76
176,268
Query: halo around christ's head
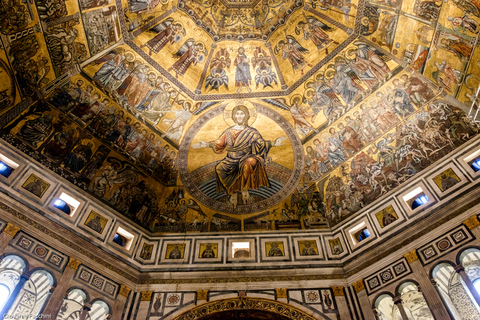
x,y
228,116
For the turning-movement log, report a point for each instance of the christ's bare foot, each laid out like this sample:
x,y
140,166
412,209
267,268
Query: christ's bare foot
x,y
246,197
233,200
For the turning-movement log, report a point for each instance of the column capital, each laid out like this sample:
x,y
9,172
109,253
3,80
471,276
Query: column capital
x,y
73,263
146,296
411,256
338,291
124,290
281,292
359,285
472,222
459,268
11,230
202,295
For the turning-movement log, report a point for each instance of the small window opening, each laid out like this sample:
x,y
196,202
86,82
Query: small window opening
x,y
5,170
123,238
420,200
475,164
7,166
359,233
241,249
66,204
364,234
118,239
62,205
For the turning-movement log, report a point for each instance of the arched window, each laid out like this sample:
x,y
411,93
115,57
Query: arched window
x,y
414,303
4,295
99,310
72,305
34,294
454,292
470,260
386,309
11,268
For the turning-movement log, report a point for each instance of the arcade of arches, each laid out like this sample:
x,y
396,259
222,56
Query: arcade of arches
x,y
239,159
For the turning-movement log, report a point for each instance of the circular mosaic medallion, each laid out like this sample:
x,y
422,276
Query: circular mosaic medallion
x,y
173,299
312,296
444,244
240,158
40,251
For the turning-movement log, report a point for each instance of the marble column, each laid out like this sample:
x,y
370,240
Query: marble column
x,y
143,310
11,299
473,224
341,301
120,303
461,271
7,235
398,303
63,284
430,294
364,302
85,310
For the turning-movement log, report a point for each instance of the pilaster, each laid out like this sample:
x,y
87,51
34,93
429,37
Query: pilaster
x,y
429,292
365,304
341,301
63,284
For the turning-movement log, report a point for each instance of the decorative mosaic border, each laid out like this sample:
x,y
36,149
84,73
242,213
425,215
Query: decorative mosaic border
x,y
39,251
387,275
444,244
97,282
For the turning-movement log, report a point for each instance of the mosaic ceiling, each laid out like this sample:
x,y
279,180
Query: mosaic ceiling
x,y
238,114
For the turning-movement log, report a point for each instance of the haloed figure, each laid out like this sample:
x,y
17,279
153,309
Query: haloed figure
x,y
243,168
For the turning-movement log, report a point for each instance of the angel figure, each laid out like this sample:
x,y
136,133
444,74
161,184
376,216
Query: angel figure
x,y
190,52
218,76
167,32
314,30
176,125
446,76
344,81
293,52
464,23
323,98
264,75
300,115
116,172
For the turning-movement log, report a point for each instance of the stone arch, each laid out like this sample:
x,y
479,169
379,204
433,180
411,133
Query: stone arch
x,y
276,309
